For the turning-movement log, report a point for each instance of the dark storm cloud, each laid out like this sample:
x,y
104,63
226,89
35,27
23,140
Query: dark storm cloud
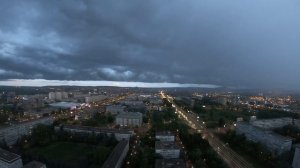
x,y
229,43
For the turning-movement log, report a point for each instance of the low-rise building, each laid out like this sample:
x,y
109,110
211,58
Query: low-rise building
x,y
12,133
115,159
118,133
169,163
10,160
274,142
296,160
129,119
168,150
165,136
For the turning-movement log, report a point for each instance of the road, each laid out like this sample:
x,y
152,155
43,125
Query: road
x,y
227,154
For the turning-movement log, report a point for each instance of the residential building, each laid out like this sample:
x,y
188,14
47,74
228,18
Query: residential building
x,y
269,124
165,136
10,160
296,160
129,119
58,96
169,163
119,134
168,150
12,133
115,159
274,142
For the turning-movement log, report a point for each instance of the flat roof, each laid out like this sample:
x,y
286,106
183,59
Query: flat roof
x,y
7,156
266,132
99,129
165,145
130,114
65,104
115,155
164,133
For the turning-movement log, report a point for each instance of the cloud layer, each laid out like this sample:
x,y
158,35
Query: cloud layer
x,y
230,43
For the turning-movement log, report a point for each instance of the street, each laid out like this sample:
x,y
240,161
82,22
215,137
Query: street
x,y
227,154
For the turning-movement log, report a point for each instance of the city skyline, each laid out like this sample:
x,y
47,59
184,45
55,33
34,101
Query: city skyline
x,y
195,43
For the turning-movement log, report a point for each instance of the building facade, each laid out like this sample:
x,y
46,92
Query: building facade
x,y
168,150
119,134
12,133
165,136
129,119
274,142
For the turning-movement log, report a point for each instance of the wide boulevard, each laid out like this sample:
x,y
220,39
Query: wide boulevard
x,y
227,154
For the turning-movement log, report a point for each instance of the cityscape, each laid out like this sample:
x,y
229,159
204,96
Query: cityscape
x,y
152,84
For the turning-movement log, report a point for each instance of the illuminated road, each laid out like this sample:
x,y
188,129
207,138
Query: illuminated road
x,y
227,154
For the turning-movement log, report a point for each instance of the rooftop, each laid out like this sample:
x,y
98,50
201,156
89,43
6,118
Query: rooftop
x,y
65,104
164,133
98,129
7,156
257,130
115,155
130,115
165,145
274,123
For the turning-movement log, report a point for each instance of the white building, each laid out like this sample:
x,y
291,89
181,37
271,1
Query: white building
x,y
52,95
115,109
10,160
274,142
12,133
296,160
168,150
165,136
58,96
119,134
129,119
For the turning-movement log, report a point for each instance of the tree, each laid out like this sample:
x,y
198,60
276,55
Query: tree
x,y
42,134
221,122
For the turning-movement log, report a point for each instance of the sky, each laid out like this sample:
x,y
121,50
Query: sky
x,y
242,44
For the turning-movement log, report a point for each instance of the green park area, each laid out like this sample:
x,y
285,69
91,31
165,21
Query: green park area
x,y
69,154
59,149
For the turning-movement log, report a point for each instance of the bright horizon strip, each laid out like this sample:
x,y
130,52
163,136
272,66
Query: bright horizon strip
x,y
44,82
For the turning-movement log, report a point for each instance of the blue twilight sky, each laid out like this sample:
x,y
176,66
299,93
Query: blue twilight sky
x,y
248,44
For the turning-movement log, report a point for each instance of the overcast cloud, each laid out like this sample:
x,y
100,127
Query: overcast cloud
x,y
229,43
